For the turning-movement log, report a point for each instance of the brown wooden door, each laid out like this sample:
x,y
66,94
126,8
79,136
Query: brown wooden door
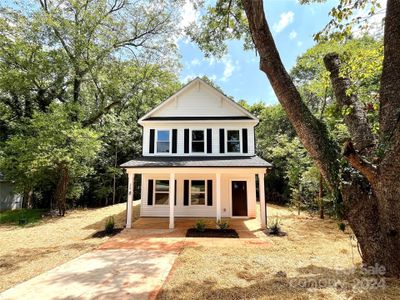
x,y
239,198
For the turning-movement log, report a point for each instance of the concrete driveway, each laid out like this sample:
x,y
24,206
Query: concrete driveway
x,y
101,274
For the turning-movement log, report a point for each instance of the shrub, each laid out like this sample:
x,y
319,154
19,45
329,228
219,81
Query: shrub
x,y
275,226
110,225
200,225
222,225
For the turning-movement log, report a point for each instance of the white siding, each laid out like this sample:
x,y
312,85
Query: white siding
x,y
194,210
200,125
198,100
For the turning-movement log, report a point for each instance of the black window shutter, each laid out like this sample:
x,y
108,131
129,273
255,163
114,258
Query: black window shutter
x,y
209,140
186,140
174,140
244,138
151,144
175,193
222,140
186,192
209,193
150,192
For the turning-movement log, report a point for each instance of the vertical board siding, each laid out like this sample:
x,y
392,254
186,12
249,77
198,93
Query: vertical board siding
x,y
209,193
221,140
150,192
186,140
174,140
245,140
209,140
186,192
151,143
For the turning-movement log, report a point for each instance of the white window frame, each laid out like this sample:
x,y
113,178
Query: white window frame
x,y
240,141
191,141
162,192
205,193
169,141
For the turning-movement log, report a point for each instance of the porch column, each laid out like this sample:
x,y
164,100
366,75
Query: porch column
x,y
131,177
171,200
218,192
262,200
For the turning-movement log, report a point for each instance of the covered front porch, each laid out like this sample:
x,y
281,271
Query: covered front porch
x,y
196,188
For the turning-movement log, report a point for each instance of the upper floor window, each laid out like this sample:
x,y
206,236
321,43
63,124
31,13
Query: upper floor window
x,y
233,140
197,140
161,192
198,192
163,141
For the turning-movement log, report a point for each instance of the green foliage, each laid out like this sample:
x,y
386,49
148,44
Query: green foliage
x,y
200,225
222,225
274,226
14,217
109,225
47,141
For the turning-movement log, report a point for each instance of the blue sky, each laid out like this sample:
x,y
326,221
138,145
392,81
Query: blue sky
x,y
237,73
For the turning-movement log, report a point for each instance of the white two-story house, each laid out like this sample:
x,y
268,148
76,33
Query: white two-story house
x,y
198,158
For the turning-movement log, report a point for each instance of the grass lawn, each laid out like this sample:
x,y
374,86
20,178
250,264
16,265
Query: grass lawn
x,y
27,216
305,264
29,251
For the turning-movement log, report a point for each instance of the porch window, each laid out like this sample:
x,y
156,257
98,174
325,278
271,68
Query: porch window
x,y
233,140
163,141
198,192
197,140
161,192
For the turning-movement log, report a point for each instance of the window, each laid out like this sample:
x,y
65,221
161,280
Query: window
x,y
198,192
233,141
163,141
161,192
197,140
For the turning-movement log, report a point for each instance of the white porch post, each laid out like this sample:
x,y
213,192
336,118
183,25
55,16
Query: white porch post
x,y
262,199
171,200
218,192
131,177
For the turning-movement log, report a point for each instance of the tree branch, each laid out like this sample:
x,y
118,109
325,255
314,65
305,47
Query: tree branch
x,y
390,80
312,133
100,113
355,119
367,169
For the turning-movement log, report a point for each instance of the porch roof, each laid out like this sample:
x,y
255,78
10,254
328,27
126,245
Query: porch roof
x,y
197,162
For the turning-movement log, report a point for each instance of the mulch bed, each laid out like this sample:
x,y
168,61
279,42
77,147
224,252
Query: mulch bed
x,y
103,233
209,232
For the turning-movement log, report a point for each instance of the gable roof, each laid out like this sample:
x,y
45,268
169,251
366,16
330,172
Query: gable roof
x,y
246,115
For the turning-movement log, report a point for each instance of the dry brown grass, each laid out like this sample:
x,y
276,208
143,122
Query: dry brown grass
x,y
313,251
28,251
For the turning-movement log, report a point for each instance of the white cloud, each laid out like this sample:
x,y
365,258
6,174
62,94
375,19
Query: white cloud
x,y
285,19
292,35
188,78
228,69
188,14
195,62
375,23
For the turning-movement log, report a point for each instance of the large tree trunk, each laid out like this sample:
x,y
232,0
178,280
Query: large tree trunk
x,y
61,189
371,199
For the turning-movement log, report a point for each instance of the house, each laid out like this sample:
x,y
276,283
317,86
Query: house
x,y
198,158
8,198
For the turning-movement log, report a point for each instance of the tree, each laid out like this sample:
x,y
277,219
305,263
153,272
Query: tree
x,y
70,52
370,188
51,147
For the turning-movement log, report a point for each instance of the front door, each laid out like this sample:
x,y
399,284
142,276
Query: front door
x,y
239,198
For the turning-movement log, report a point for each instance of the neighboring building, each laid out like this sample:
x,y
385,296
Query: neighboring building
x,y
198,158
8,199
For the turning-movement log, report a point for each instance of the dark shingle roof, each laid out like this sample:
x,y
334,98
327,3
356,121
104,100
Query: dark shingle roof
x,y
197,162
